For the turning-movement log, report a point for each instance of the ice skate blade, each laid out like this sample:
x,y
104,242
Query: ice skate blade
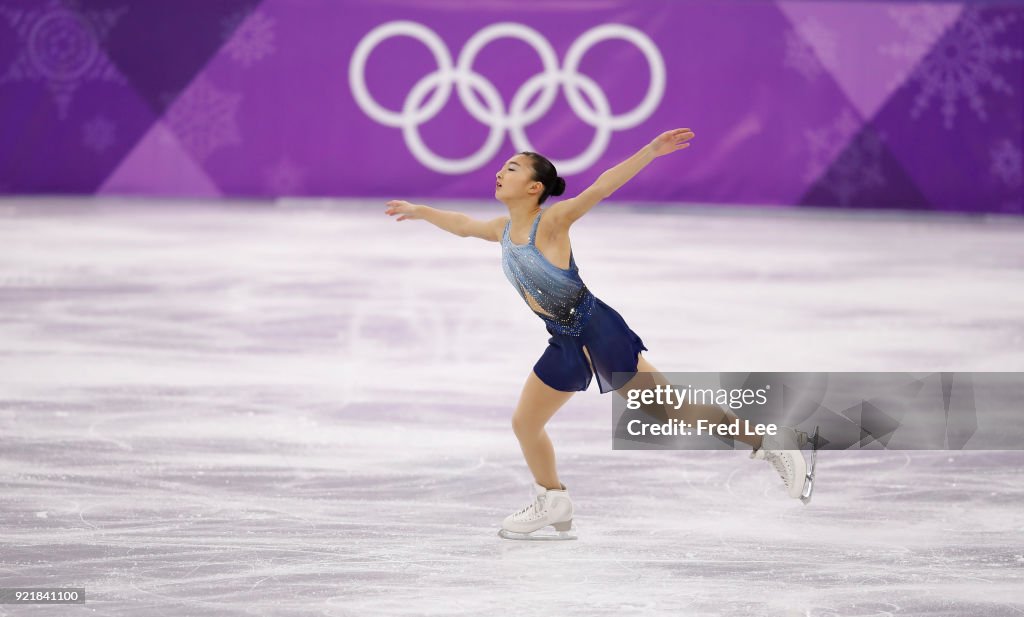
x,y
808,490
805,497
545,534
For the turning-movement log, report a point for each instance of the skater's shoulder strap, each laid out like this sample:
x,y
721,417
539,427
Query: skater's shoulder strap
x,y
533,230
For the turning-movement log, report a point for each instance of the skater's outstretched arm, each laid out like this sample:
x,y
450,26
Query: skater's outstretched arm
x,y
448,220
569,211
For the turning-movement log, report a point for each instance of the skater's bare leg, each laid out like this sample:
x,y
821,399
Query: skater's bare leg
x,y
648,377
537,404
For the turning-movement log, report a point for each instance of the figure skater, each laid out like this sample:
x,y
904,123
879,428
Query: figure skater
x,y
588,337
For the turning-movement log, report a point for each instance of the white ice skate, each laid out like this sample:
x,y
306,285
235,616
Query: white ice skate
x,y
550,508
783,451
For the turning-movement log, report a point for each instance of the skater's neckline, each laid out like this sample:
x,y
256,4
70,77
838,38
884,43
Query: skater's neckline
x,y
533,242
533,230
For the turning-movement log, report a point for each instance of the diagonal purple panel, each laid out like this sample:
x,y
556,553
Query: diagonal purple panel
x,y
159,165
161,46
59,88
160,49
865,174
963,106
870,48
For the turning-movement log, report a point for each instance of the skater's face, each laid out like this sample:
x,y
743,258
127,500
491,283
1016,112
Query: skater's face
x,y
515,180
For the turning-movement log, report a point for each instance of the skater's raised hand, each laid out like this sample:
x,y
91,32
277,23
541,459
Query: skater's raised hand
x,y
671,141
404,209
568,211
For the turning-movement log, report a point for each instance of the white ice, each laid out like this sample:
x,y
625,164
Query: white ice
x,y
303,408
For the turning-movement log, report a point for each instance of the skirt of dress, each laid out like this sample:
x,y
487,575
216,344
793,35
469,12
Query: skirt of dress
x,y
613,348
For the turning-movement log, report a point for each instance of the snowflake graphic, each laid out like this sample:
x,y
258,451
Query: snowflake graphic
x,y
826,143
252,39
822,40
962,63
859,163
285,178
204,119
924,24
98,134
857,169
60,45
1006,163
800,56
810,47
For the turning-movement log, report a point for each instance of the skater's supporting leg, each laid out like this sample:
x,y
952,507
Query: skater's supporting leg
x,y
648,377
537,404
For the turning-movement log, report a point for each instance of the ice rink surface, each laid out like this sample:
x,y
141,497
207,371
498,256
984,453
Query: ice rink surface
x,y
304,409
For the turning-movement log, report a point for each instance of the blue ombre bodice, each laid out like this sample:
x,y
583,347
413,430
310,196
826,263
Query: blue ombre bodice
x,y
557,291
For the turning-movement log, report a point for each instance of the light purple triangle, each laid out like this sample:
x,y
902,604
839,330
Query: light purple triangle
x,y
870,48
160,165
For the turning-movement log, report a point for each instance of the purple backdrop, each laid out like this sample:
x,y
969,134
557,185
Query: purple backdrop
x,y
895,105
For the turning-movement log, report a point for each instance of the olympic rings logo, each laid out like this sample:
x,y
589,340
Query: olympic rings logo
x,y
419,108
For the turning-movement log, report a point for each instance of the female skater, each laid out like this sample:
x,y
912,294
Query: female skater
x,y
588,337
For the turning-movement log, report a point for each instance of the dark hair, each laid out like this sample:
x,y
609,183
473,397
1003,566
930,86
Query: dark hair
x,y
544,172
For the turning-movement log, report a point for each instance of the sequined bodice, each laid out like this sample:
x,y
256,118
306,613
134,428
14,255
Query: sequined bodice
x,y
559,292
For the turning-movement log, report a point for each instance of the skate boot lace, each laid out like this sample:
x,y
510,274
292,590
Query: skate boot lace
x,y
780,465
536,506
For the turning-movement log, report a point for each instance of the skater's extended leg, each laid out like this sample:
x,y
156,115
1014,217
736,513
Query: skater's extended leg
x,y
537,404
648,377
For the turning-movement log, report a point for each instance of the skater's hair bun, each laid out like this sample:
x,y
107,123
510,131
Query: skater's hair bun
x,y
545,173
559,186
